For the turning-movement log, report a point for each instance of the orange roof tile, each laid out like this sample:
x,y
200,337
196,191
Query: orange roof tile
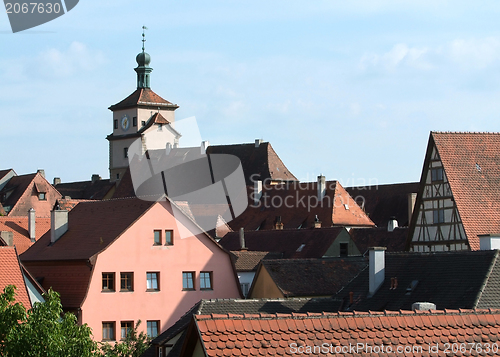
x,y
19,226
472,165
385,330
11,274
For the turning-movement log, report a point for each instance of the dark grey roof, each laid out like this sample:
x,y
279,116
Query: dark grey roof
x,y
490,296
240,306
451,280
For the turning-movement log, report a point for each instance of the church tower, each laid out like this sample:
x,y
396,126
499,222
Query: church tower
x,y
141,112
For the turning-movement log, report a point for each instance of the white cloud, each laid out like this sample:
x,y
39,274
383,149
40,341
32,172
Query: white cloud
x,y
400,55
475,53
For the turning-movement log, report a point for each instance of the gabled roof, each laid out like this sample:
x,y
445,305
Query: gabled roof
x,y
471,163
142,97
92,226
261,161
239,306
89,190
246,260
451,280
17,185
312,277
286,241
365,238
11,274
306,334
19,227
381,202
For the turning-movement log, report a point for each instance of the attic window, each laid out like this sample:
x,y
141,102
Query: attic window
x,y
346,206
437,174
344,249
478,168
411,287
299,249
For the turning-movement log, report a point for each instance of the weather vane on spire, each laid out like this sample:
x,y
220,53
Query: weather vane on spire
x,y
143,37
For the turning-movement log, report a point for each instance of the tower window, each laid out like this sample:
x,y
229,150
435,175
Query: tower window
x,y
125,153
115,124
134,121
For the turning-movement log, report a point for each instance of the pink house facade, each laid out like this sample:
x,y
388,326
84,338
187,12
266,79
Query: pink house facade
x,y
123,260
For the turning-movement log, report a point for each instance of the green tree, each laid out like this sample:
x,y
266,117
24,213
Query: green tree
x,y
43,330
134,345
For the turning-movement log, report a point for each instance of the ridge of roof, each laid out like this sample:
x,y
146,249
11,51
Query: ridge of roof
x,y
319,315
466,132
142,97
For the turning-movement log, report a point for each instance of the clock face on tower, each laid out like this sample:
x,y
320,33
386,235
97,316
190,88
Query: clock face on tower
x,y
125,122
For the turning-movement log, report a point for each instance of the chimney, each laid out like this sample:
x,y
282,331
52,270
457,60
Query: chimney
x,y
317,222
257,192
392,224
277,223
258,142
58,224
41,172
423,306
7,237
204,146
321,187
95,178
32,224
412,197
57,181
376,269
242,239
489,241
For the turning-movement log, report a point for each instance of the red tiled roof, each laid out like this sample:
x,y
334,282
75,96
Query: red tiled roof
x,y
19,226
365,238
296,333
11,274
472,165
286,241
246,260
18,185
142,97
92,226
297,205
381,202
261,161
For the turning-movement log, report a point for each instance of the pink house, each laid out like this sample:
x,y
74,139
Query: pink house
x,y
117,261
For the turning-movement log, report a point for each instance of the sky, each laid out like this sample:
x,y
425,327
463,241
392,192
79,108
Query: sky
x,y
347,89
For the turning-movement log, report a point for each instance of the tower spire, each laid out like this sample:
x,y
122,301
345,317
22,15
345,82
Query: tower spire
x,y
143,70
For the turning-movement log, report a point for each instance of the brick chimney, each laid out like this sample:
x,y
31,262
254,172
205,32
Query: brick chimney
x,y
376,269
95,178
57,181
258,142
41,172
32,224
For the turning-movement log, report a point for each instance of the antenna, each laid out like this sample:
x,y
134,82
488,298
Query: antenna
x,y
143,37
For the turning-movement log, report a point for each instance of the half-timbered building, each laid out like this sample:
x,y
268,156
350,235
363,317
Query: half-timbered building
x,y
459,195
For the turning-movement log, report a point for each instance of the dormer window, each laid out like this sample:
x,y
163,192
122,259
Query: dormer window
x,y
42,196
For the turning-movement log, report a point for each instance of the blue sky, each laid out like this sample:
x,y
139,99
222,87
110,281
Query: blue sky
x,y
349,89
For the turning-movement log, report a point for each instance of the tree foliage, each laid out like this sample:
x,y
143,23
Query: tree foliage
x,y
43,330
134,345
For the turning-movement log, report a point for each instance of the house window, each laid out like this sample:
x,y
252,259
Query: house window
x,y
134,121
157,237
160,351
153,328
169,238
188,280
126,281
437,174
115,124
125,153
244,289
117,176
108,331
344,249
206,280
42,196
438,215
126,327
108,281
152,281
